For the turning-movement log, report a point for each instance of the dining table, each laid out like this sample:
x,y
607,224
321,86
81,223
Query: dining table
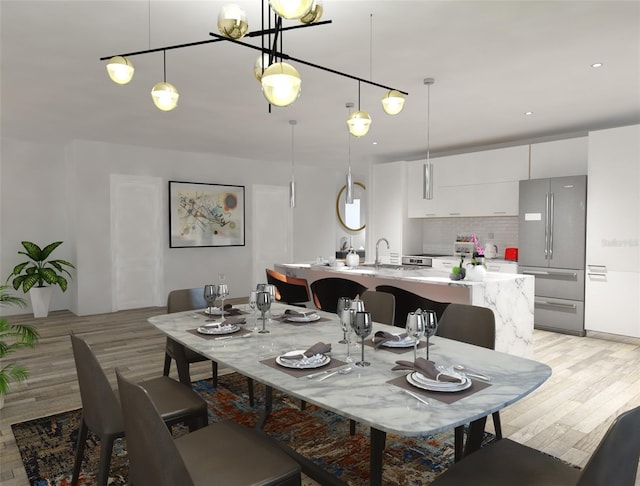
x,y
375,395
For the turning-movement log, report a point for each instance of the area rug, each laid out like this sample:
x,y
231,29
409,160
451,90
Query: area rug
x,y
47,444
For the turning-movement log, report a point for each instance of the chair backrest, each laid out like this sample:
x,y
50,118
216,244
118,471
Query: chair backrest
x,y
407,301
615,461
100,407
381,305
154,459
185,299
327,291
291,290
469,324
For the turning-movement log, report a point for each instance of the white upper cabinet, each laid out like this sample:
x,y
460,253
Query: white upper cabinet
x,y
474,184
560,158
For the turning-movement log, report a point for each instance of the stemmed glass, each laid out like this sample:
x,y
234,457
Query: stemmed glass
x,y
346,320
210,296
223,291
253,301
264,304
416,329
271,289
431,326
344,303
362,326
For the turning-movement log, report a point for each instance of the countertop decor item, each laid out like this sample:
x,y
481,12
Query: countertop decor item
x,y
459,272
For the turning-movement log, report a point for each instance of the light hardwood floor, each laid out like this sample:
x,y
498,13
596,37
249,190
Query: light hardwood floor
x,y
594,379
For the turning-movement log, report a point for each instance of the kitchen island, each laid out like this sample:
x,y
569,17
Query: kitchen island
x,y
509,296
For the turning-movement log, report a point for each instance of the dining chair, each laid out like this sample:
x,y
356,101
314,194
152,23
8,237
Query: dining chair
x,y
101,413
327,291
224,453
475,325
407,301
506,462
183,300
290,290
381,305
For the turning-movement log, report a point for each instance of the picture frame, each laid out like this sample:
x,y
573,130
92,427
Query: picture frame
x,y
206,215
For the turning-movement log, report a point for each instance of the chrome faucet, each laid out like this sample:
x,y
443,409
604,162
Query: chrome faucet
x,y
377,262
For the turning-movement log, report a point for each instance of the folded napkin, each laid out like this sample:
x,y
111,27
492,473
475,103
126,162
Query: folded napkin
x,y
318,348
381,337
230,321
295,313
427,368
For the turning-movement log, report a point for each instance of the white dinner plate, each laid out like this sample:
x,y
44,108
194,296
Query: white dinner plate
x,y
227,329
406,342
215,311
309,318
418,380
303,364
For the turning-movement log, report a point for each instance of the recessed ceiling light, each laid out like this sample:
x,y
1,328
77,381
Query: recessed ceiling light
x,y
597,65
374,143
528,113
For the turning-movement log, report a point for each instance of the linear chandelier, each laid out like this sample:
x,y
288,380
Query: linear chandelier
x,y
281,83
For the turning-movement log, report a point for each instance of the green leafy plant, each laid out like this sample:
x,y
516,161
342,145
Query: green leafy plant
x,y
12,338
38,270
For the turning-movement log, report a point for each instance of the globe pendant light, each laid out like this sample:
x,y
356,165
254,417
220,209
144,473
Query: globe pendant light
x,y
359,121
281,84
393,102
232,22
314,14
291,9
120,69
258,66
165,95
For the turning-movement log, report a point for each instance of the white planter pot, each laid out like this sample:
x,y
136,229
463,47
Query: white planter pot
x,y
476,273
40,300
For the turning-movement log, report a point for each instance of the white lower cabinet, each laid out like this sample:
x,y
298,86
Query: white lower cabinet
x,y
612,302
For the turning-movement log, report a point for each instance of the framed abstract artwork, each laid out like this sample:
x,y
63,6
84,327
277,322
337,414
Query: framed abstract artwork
x,y
203,214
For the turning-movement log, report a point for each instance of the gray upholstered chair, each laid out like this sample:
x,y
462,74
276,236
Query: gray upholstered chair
x,y
507,463
224,453
101,413
407,301
475,325
381,305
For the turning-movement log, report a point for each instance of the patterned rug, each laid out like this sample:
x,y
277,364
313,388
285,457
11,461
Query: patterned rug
x,y
47,444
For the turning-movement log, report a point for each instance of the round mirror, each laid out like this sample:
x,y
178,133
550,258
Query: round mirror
x,y
352,216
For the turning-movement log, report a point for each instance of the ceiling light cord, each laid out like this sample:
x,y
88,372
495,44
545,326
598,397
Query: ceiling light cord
x,y
292,183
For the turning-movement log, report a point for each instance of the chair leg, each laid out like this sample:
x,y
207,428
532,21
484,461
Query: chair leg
x,y
106,448
82,441
458,442
352,427
252,399
167,364
303,405
497,425
214,373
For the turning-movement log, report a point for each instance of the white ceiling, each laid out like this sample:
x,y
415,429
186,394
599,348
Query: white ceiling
x,y
492,61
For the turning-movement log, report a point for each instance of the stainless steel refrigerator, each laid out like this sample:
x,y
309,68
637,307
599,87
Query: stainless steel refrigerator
x,y
551,247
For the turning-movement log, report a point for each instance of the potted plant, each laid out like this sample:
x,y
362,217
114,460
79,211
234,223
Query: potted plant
x,y
33,274
12,338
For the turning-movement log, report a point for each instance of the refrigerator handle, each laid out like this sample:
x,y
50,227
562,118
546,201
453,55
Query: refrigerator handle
x,y
551,217
546,228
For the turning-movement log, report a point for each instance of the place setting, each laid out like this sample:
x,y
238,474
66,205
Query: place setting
x,y
230,327
295,316
301,362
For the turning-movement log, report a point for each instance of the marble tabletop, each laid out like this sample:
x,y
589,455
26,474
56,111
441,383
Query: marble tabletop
x,y
365,394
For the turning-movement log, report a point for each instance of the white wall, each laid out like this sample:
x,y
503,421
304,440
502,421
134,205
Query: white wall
x,y
55,192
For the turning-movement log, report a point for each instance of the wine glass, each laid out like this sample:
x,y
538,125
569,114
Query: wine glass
x,y
343,303
416,329
362,326
272,290
346,319
253,302
431,326
223,291
264,304
210,296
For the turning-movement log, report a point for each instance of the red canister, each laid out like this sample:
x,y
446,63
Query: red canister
x,y
511,254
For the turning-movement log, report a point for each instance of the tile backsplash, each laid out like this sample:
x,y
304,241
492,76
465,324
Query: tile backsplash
x,y
438,234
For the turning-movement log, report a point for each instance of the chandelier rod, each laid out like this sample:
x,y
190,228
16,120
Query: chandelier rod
x,y
255,33
282,55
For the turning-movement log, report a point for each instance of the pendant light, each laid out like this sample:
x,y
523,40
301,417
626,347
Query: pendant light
x,y
427,175
393,102
281,84
232,22
165,95
120,69
292,184
314,14
349,191
291,9
359,121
